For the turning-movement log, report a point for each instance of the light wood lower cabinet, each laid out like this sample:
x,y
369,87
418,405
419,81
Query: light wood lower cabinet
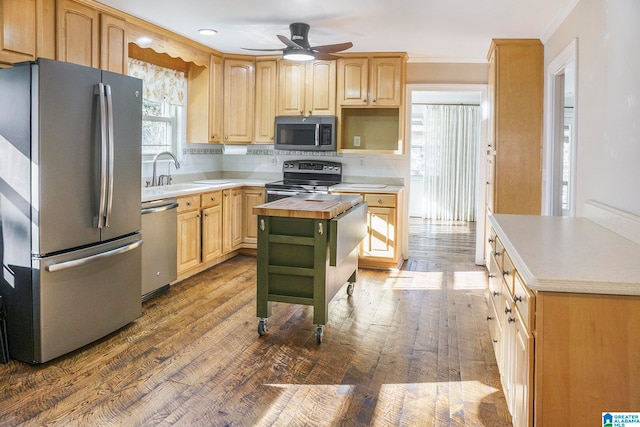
x,y
511,327
214,225
189,229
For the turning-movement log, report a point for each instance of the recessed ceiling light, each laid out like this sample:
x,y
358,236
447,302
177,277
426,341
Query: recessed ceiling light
x,y
207,32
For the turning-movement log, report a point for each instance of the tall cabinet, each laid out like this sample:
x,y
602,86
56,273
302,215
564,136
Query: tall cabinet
x,y
516,86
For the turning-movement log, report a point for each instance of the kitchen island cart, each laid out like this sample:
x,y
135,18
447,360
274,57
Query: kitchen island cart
x,y
307,250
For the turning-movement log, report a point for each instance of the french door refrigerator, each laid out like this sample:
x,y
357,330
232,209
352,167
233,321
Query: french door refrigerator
x,y
70,173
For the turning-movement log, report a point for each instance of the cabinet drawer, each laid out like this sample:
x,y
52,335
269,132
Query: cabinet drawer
x,y
188,203
508,272
498,251
210,199
524,301
387,200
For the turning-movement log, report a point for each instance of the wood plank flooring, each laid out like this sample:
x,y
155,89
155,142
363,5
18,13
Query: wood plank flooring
x,y
409,348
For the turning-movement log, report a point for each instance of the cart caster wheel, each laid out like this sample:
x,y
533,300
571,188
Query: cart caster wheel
x,y
319,334
350,289
262,327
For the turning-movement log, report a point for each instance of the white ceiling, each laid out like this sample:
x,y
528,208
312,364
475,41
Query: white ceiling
x,y
428,30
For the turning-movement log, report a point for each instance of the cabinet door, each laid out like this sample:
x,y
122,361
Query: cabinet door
x,y
523,377
188,240
384,84
353,81
251,197
320,96
18,30
507,362
265,101
231,219
291,88
211,233
380,241
239,84
198,104
77,33
215,99
114,49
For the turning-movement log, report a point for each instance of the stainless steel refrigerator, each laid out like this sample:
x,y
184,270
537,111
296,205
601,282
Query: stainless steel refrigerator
x,y
70,165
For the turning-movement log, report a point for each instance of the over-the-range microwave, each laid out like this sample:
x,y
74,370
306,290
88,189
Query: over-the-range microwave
x,y
312,133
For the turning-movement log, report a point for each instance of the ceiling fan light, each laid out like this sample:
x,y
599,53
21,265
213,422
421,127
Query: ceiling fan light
x,y
294,54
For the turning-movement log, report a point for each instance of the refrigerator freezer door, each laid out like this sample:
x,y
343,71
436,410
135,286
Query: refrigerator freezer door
x,y
124,183
84,295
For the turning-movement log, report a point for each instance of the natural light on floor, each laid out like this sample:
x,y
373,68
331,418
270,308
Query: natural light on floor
x,y
414,280
336,398
468,280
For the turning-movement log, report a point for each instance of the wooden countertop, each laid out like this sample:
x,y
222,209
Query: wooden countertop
x,y
316,206
575,255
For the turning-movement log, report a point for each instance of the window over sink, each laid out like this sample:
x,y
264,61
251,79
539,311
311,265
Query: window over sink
x,y
163,107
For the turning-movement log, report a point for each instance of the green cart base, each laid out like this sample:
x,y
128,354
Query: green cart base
x,y
306,261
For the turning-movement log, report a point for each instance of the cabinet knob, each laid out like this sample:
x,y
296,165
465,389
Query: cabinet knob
x,y
517,298
188,203
301,111
213,136
496,293
492,276
511,319
373,100
490,239
270,138
364,100
206,214
380,201
310,112
505,273
495,341
226,137
213,199
507,310
496,253
489,318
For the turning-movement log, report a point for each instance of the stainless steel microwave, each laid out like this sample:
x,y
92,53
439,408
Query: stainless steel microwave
x,y
313,133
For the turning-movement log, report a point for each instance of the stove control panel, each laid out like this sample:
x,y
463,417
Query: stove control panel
x,y
312,166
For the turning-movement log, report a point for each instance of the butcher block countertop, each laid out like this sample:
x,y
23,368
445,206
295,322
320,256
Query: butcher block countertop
x,y
316,206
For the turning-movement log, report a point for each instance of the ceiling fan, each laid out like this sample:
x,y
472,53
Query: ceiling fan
x,y
298,47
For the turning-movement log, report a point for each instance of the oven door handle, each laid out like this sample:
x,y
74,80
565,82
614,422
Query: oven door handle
x,y
286,193
317,134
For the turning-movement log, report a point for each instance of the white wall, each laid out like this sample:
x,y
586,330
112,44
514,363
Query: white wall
x,y
608,99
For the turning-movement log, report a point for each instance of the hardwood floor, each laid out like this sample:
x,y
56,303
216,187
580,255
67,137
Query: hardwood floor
x,y
410,347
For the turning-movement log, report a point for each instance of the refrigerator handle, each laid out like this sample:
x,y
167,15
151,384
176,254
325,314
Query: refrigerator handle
x,y
99,90
82,261
110,155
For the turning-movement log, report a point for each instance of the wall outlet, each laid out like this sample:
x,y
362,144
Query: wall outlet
x,y
356,141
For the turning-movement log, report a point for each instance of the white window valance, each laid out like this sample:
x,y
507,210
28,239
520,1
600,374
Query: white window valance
x,y
160,84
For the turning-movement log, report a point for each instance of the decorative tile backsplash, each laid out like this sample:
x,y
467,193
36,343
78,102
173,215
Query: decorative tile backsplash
x,y
263,151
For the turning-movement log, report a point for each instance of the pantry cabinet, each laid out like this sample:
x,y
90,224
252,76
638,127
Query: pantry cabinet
x,y
266,97
306,88
239,92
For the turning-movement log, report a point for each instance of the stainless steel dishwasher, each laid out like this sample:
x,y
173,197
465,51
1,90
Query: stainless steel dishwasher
x,y
159,251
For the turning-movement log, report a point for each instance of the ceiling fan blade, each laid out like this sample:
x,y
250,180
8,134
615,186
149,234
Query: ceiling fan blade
x,y
325,56
330,48
288,42
262,50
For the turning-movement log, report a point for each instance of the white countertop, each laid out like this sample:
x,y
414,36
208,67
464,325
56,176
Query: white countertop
x,y
558,254
366,188
184,189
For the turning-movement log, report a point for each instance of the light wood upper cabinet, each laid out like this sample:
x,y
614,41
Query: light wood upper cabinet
x,y
215,98
88,36
306,88
353,81
265,101
239,85
27,30
291,88
114,49
78,33
18,28
371,82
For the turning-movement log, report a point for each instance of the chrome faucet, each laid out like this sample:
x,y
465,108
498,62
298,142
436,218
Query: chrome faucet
x,y
154,179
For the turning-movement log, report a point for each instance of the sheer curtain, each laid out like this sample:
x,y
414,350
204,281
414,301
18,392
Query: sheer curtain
x,y
451,136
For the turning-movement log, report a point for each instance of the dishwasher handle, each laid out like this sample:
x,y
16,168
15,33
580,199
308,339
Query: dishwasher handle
x,y
159,208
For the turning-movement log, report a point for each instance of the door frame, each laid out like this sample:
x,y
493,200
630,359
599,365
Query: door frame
x,y
554,130
482,173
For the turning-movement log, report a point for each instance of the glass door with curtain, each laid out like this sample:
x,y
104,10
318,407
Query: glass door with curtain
x,y
444,150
